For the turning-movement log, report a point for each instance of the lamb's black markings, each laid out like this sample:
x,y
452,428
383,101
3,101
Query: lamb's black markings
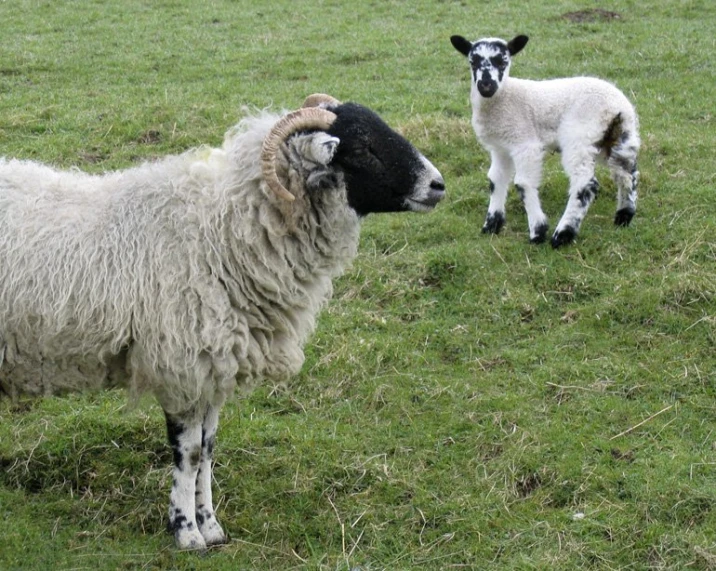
x,y
623,217
540,234
487,58
493,223
625,164
588,193
565,236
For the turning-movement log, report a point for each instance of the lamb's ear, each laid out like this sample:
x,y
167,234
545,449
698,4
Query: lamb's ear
x,y
515,45
461,44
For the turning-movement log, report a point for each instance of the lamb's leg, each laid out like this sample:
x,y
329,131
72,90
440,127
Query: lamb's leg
x,y
579,164
208,525
185,440
622,165
500,175
528,164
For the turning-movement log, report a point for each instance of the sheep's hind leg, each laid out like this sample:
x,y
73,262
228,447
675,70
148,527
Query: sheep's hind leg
x,y
577,207
583,190
499,175
185,440
622,165
208,525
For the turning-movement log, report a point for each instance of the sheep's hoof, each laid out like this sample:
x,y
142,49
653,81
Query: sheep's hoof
x,y
563,237
540,234
212,533
493,223
189,539
623,217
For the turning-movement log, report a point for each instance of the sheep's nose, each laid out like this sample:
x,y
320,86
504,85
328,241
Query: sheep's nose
x,y
437,190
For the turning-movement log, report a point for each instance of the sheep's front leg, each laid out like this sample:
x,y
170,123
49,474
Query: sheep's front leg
x,y
500,175
208,525
185,440
579,164
528,164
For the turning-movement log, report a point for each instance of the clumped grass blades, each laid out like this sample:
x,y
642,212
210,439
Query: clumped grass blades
x,y
467,402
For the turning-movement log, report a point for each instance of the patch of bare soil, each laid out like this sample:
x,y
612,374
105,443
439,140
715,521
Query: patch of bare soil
x,y
591,15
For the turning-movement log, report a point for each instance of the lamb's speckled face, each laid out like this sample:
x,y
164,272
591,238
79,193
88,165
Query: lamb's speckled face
x,y
489,60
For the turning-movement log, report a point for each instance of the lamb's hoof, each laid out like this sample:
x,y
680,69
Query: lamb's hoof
x,y
540,234
623,217
189,539
212,533
563,237
493,223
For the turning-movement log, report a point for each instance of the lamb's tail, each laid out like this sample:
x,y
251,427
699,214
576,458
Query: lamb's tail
x,y
621,137
621,144
612,134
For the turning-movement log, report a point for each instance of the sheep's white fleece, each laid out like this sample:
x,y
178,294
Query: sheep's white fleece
x,y
182,269
551,111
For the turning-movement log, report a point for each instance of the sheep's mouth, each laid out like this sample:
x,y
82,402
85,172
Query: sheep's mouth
x,y
427,203
418,206
487,89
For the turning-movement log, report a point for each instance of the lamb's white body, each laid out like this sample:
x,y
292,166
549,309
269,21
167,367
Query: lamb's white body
x,y
518,121
187,276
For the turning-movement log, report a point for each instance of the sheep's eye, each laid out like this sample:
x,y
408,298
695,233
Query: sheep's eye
x,y
362,156
477,60
498,61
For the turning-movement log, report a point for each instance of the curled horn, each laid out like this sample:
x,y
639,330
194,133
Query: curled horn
x,y
309,117
316,99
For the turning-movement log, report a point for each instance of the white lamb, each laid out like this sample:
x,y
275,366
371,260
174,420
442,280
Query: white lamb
x,y
518,121
186,276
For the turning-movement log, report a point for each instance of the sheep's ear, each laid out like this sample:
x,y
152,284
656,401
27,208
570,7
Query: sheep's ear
x,y
515,45
461,44
320,152
323,147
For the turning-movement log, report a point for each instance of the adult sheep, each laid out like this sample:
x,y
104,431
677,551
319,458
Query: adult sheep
x,y
518,121
189,275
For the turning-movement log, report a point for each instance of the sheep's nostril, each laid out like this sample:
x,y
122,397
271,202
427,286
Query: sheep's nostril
x,y
437,191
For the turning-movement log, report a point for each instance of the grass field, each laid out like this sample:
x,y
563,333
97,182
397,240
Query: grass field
x,y
467,402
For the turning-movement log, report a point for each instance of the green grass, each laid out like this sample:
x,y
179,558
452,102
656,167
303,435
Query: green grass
x,y
467,401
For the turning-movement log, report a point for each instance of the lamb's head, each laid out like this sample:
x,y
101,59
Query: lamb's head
x,y
346,143
489,59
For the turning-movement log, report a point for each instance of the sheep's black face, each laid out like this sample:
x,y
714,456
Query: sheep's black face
x,y
383,171
489,60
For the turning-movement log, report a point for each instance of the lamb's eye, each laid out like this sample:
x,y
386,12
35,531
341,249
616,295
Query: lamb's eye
x,y
498,61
